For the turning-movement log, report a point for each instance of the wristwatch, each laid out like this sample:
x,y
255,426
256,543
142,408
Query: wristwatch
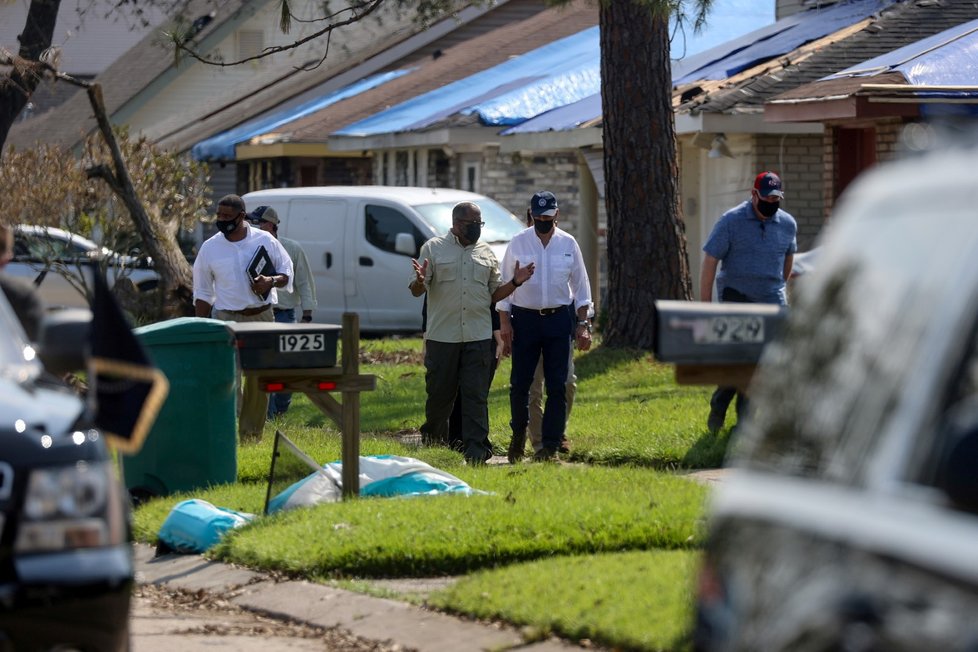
x,y
586,324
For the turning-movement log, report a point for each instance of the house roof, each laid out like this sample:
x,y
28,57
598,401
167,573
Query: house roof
x,y
737,77
713,67
145,62
291,98
501,45
938,70
895,26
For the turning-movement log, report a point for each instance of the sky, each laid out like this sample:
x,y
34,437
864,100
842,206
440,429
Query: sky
x,y
728,20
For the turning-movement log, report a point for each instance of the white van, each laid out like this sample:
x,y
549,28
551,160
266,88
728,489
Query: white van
x,y
360,241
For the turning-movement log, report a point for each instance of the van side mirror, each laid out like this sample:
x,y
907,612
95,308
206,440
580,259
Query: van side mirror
x,y
63,342
958,472
404,244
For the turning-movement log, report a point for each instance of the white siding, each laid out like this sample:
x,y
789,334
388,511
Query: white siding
x,y
196,89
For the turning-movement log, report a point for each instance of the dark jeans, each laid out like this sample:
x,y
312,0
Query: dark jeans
x,y
279,402
536,335
462,370
722,397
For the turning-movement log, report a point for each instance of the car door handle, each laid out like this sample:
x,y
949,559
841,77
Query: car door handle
x,y
328,257
366,261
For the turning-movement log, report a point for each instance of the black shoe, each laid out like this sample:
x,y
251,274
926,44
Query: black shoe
x,y
517,445
715,421
564,448
545,455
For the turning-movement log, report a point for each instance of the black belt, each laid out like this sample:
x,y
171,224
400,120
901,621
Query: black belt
x,y
542,311
248,312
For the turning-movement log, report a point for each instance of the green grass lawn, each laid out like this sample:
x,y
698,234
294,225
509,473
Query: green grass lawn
x,y
601,547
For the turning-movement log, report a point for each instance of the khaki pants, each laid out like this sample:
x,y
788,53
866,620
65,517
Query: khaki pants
x,y
253,407
536,400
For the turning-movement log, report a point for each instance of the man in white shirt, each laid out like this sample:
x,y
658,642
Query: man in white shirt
x,y
541,318
224,290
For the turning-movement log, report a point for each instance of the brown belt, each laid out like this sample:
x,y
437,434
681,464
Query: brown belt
x,y
248,312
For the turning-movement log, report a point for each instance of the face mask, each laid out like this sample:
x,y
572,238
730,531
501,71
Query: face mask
x,y
472,232
768,208
543,226
227,227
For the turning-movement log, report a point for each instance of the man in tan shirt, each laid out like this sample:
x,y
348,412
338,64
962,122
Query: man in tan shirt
x,y
461,276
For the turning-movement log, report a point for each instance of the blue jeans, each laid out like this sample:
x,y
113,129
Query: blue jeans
x,y
536,335
279,402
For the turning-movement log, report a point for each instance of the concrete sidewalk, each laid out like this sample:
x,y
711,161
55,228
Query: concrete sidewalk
x,y
372,618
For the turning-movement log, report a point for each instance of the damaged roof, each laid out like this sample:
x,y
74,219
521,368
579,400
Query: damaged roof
x,y
895,26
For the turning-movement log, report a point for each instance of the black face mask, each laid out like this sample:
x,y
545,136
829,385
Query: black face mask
x,y
227,227
472,232
768,208
543,226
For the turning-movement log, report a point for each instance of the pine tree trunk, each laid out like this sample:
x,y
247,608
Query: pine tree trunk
x,y
646,235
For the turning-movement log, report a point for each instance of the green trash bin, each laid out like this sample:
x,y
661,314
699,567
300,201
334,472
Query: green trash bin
x,y
193,443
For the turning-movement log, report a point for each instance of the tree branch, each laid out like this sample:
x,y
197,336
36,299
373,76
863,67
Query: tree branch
x,y
370,7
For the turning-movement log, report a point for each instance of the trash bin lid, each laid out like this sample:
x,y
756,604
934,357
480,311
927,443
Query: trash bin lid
x,y
184,330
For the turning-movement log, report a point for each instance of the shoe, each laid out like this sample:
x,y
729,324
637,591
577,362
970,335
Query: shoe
x,y
715,421
517,445
564,447
545,455
478,461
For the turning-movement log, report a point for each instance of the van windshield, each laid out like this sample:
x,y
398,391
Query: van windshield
x,y
501,225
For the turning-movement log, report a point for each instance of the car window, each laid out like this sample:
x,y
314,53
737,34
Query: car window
x,y
958,416
382,224
501,225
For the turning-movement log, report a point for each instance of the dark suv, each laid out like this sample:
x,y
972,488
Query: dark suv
x,y
65,560
850,517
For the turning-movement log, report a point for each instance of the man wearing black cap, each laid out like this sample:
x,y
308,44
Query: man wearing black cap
x,y
541,318
224,290
755,241
302,296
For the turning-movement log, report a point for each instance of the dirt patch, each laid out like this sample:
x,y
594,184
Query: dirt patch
x,y
206,614
391,357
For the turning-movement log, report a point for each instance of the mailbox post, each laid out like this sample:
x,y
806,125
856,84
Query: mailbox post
x,y
282,357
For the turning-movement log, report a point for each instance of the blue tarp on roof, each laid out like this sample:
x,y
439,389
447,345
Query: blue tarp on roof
x,y
550,76
221,146
784,36
727,59
949,58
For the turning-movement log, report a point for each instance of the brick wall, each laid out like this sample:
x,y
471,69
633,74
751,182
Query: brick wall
x,y
800,161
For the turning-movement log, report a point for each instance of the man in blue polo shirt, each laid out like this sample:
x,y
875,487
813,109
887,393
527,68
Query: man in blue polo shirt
x,y
755,242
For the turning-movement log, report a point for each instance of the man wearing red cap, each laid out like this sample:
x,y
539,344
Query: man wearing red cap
x,y
754,245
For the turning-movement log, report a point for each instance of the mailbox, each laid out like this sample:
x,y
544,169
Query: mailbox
x,y
692,332
274,345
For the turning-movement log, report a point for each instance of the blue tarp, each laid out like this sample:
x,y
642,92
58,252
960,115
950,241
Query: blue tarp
x,y
727,59
221,146
556,74
949,58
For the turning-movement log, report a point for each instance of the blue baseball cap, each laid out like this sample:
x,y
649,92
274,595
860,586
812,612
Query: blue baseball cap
x,y
543,203
767,184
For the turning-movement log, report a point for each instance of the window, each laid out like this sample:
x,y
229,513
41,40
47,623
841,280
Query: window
x,y
382,224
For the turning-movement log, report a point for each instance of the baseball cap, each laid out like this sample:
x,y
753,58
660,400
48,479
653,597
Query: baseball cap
x,y
767,184
543,203
263,214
